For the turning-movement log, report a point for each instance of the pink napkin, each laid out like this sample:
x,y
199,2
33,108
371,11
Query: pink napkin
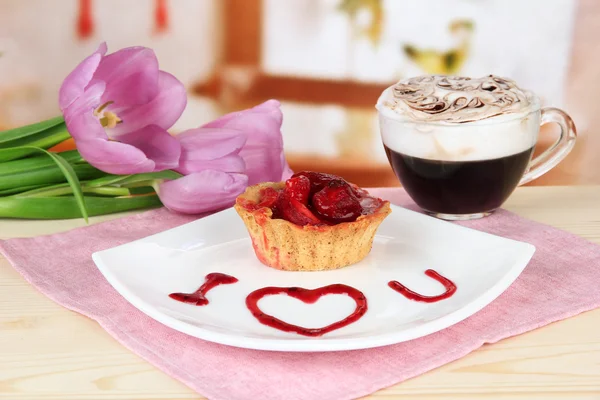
x,y
560,281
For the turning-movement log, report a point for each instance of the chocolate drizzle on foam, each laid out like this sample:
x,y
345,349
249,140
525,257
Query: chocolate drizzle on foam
x,y
457,99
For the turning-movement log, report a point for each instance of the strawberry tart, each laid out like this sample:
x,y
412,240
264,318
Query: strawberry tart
x,y
311,222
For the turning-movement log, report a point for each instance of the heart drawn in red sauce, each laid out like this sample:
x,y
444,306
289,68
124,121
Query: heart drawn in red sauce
x,y
309,296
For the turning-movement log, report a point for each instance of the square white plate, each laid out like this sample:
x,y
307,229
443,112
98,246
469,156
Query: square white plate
x,y
407,243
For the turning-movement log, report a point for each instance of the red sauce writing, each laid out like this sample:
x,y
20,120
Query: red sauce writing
x,y
309,296
406,292
199,296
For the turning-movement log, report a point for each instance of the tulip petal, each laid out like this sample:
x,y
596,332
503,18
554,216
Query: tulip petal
x,y
201,192
163,110
82,124
108,156
131,76
75,83
263,151
264,164
211,148
203,148
85,104
114,157
208,144
232,163
148,150
157,144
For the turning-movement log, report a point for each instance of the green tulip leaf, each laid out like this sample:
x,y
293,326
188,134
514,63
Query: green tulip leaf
x,y
36,163
67,171
28,130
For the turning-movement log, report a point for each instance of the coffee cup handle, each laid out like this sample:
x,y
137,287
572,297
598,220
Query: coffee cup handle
x,y
559,149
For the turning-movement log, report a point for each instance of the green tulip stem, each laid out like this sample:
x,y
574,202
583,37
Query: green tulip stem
x,y
66,207
63,189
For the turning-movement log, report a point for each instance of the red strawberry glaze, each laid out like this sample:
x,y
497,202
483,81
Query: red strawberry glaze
x,y
199,296
315,199
406,292
308,296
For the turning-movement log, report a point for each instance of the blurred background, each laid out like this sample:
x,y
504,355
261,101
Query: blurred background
x,y
326,60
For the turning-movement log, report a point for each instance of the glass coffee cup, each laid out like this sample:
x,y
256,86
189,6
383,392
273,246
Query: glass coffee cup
x,y
460,146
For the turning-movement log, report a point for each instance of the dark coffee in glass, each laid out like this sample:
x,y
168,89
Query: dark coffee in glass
x,y
459,187
461,146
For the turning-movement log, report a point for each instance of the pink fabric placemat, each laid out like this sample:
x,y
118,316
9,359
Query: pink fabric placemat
x,y
560,281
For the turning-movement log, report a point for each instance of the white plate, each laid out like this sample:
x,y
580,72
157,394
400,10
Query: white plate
x,y
407,243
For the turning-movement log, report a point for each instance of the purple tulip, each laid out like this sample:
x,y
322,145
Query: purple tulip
x,y
247,141
118,108
224,156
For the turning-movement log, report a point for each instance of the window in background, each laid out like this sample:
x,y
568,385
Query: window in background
x,y
381,41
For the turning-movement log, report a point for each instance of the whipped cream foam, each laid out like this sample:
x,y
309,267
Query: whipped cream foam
x,y
458,118
457,99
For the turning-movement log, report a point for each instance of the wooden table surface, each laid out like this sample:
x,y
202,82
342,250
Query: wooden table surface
x,y
48,352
